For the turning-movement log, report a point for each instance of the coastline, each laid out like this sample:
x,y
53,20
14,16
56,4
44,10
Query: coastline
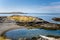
x,y
37,23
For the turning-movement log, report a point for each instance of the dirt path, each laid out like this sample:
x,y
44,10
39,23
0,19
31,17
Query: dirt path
x,y
8,26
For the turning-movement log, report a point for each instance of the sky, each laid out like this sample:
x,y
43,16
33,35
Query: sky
x,y
30,6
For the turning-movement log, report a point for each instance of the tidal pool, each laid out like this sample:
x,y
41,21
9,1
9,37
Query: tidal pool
x,y
28,33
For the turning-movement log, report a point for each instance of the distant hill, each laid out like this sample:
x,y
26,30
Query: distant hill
x,y
14,13
18,13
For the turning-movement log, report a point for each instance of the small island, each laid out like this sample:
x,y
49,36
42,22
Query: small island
x,y
56,19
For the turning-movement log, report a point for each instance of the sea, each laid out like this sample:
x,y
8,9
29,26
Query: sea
x,y
35,32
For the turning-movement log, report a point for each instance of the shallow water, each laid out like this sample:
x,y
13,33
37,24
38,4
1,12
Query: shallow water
x,y
31,33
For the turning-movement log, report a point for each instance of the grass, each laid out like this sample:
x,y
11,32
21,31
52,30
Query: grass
x,y
22,18
2,38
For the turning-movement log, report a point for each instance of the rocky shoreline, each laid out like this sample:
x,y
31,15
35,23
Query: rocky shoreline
x,y
29,22
18,21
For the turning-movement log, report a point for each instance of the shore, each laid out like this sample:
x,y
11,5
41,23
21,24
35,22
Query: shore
x,y
9,26
48,38
28,22
34,38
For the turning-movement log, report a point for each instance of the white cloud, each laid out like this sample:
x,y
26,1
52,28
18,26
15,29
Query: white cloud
x,y
51,9
54,7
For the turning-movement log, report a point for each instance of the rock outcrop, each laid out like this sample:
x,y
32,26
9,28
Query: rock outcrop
x,y
56,19
2,18
50,26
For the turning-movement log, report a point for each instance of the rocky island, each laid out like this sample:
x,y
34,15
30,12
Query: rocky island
x,y
56,19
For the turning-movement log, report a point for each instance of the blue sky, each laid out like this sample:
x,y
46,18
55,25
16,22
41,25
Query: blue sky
x,y
30,6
